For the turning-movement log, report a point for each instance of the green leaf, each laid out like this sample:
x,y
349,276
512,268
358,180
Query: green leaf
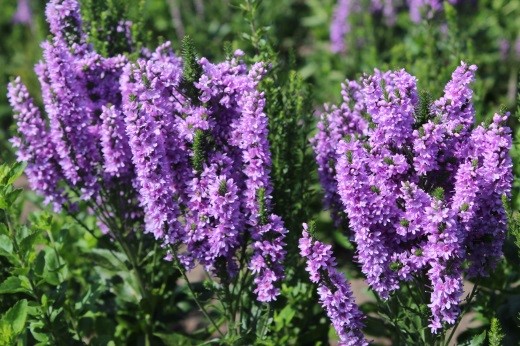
x,y
8,196
14,284
496,335
342,240
284,317
111,260
6,248
9,174
17,316
52,268
7,334
39,263
12,323
38,333
15,172
175,339
3,229
27,243
477,340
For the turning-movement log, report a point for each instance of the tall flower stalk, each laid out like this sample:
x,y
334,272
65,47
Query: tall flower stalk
x,y
176,147
422,187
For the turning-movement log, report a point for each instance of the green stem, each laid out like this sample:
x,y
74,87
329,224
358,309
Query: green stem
x,y
192,291
136,272
466,308
236,308
93,234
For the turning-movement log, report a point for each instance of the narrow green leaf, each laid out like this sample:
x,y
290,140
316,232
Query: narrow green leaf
x,y
175,339
39,263
52,268
478,340
6,245
3,229
27,243
14,284
111,260
15,172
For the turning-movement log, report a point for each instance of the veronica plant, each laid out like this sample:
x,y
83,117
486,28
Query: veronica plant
x,y
169,146
421,186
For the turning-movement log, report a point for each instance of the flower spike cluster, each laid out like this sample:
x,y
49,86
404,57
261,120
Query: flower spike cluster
x,y
421,186
333,289
35,146
182,155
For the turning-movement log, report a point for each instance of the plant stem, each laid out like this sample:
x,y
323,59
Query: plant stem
x,y
144,293
192,291
466,308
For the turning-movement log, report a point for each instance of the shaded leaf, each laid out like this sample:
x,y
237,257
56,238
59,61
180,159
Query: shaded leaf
x,y
175,339
17,316
14,284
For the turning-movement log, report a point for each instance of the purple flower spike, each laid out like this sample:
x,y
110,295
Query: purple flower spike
x,y
334,290
149,118
423,194
23,14
65,23
114,143
35,146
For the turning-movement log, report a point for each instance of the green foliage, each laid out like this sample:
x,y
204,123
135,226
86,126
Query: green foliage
x,y
33,265
191,68
103,18
495,334
198,150
77,284
477,340
12,323
438,193
429,50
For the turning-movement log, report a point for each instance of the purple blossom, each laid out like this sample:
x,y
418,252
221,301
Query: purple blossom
x,y
215,221
71,119
482,180
65,23
257,162
334,291
23,14
35,146
367,202
126,138
509,49
267,261
451,119
444,251
340,25
114,143
333,123
77,85
149,118
390,100
216,187
420,9
422,196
